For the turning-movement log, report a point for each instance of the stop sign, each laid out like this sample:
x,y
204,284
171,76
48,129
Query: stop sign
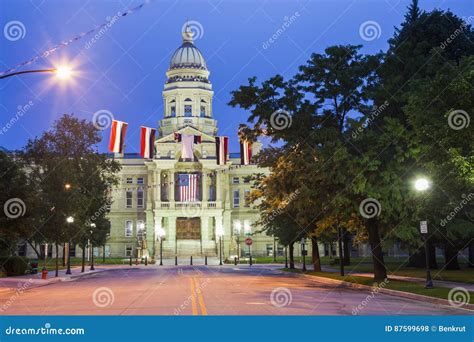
x,y
248,241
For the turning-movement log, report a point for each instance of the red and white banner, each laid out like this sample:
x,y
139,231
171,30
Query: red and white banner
x,y
245,152
187,144
222,145
147,142
117,136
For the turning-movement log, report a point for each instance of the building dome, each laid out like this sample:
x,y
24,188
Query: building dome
x,y
187,55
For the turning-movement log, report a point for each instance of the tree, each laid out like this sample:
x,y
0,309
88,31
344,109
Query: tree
x,y
18,202
74,180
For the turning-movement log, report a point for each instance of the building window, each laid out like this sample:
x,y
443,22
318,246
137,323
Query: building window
x,y
280,251
203,111
140,228
128,251
173,111
236,198
247,197
140,180
22,249
269,250
139,198
72,250
188,110
128,228
247,179
129,198
129,180
235,180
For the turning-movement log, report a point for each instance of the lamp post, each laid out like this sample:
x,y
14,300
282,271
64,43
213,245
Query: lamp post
x,y
92,248
421,185
220,234
160,232
62,72
69,220
238,228
303,253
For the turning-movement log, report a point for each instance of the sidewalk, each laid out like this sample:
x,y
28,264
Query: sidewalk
x,y
441,283
29,281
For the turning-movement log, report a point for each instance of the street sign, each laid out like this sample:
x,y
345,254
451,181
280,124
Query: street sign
x,y
424,227
248,241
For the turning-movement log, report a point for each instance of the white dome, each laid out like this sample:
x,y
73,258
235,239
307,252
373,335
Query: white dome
x,y
187,55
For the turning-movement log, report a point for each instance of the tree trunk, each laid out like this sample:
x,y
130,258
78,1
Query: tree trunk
x,y
417,258
292,257
83,258
57,261
346,239
471,254
432,256
315,254
450,257
380,272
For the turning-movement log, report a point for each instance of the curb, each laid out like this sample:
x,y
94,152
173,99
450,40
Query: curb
x,y
395,293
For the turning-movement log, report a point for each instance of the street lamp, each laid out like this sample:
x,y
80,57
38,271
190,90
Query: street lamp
x,y
93,225
62,72
69,220
160,232
67,186
220,234
422,184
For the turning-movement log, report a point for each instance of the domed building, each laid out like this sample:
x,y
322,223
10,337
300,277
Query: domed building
x,y
154,210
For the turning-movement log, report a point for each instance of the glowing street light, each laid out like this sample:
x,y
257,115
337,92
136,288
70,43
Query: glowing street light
x,y
422,184
160,233
69,220
62,72
67,186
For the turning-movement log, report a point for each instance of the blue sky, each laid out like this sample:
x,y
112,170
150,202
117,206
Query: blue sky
x,y
124,71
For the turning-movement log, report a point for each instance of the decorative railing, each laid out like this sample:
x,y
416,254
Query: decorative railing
x,y
180,205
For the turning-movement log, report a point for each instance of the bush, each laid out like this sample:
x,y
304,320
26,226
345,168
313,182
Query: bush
x,y
14,265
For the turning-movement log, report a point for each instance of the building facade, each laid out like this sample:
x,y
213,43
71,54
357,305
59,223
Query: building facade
x,y
149,204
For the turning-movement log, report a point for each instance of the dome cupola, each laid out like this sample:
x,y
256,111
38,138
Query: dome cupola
x,y
187,56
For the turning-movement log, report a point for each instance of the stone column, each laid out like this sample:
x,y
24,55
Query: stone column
x,y
155,222
218,186
157,185
171,185
205,189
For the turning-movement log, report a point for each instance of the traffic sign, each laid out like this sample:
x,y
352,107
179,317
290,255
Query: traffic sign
x,y
424,227
248,241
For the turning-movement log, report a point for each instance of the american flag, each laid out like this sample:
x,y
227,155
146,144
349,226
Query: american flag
x,y
188,187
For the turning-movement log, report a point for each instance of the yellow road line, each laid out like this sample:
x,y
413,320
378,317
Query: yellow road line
x,y
200,298
193,298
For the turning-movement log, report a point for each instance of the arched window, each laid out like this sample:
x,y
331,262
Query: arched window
x,y
188,110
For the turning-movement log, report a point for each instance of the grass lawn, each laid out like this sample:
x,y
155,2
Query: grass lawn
x,y
464,275
405,286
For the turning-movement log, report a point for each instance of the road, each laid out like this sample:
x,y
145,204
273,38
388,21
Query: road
x,y
202,290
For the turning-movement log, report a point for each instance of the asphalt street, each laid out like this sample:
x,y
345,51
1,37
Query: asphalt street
x,y
206,290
